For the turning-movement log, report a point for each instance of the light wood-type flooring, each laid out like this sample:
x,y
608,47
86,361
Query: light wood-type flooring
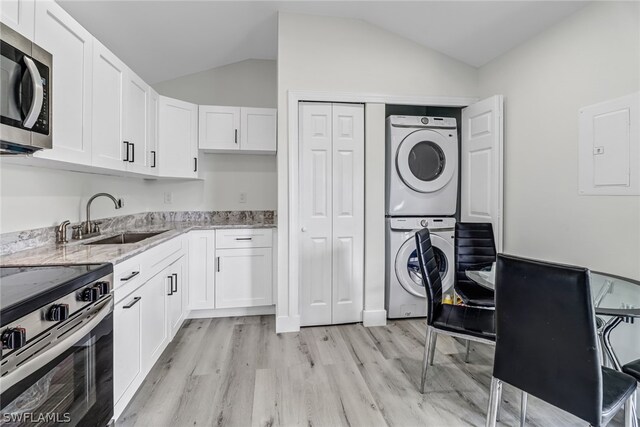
x,y
239,372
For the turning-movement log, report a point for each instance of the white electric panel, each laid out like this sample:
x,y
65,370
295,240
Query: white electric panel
x,y
609,147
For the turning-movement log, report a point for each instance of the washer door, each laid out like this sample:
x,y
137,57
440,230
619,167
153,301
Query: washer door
x,y
407,265
426,160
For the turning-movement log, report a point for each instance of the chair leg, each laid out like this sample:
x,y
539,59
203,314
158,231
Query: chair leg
x,y
523,408
499,414
432,345
427,357
468,349
494,402
630,419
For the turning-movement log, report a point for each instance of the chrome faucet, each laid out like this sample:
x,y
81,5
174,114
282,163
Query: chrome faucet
x,y
88,230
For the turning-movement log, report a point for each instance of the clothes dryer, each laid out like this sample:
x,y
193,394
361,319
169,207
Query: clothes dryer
x,y
422,166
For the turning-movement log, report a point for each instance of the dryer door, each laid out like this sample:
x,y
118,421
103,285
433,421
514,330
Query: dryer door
x,y
426,160
407,266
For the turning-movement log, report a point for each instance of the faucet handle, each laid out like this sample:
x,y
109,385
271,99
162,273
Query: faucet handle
x,y
77,232
96,227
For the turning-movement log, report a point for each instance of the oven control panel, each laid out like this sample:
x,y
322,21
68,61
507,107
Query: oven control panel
x,y
25,330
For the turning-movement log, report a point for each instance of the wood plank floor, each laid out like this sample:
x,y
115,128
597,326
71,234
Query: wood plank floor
x,y
239,372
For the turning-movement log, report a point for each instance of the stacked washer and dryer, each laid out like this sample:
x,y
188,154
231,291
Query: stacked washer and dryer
x,y
421,191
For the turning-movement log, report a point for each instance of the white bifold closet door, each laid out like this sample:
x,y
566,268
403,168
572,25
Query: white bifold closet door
x,y
331,166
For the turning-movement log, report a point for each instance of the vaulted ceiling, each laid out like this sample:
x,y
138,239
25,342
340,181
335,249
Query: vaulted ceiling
x,y
162,40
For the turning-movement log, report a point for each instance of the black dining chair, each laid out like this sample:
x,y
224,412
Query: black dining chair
x,y
547,344
475,248
466,322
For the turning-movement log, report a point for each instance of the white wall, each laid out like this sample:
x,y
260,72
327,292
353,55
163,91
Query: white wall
x,y
247,83
33,197
592,56
344,55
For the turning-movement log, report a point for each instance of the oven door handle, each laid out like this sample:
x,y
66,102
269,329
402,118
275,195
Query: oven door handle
x,y
38,94
31,366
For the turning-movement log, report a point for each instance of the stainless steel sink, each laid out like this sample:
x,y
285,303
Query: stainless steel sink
x,y
124,238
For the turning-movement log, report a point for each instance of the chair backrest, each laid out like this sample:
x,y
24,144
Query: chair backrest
x,y
430,274
475,248
546,342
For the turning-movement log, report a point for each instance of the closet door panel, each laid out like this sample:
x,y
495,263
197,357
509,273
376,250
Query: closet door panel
x,y
315,213
348,212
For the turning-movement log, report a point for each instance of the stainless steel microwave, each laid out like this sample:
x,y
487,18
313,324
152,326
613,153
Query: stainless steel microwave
x,y
25,94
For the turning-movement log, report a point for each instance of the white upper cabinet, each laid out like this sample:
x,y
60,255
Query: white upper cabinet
x,y
71,47
109,74
258,130
237,129
152,124
178,148
219,128
136,113
18,14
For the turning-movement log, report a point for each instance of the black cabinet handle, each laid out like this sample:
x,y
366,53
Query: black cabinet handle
x,y
154,159
195,164
236,136
218,264
131,276
133,153
244,238
170,285
126,150
132,303
175,276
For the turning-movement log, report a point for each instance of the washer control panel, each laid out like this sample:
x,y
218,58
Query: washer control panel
x,y
425,222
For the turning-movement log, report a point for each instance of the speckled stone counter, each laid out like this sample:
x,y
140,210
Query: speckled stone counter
x,y
78,252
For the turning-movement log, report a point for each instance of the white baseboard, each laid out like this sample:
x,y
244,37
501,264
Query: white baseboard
x,y
287,324
374,317
231,312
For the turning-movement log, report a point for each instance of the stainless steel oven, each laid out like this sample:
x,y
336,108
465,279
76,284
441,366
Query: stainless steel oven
x,y
57,360
25,94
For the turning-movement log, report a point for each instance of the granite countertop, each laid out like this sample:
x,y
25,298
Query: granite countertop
x,y
78,252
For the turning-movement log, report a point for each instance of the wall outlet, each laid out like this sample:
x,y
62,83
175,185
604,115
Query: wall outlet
x,y
168,198
243,197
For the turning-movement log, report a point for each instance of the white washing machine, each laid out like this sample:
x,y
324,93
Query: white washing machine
x,y
405,295
422,166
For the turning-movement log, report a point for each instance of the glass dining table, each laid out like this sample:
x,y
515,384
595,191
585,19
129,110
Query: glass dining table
x,y
614,297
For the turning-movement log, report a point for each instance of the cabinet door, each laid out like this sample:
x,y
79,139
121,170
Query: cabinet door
x,y
258,130
201,269
152,123
178,138
243,277
19,15
153,320
108,150
126,344
219,128
176,275
71,46
136,110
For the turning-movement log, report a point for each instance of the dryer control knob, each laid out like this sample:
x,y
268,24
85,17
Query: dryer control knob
x,y
424,223
425,121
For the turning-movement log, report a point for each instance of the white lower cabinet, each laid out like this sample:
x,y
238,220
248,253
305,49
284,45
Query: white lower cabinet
x,y
126,344
154,334
243,277
230,272
201,269
175,295
149,309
